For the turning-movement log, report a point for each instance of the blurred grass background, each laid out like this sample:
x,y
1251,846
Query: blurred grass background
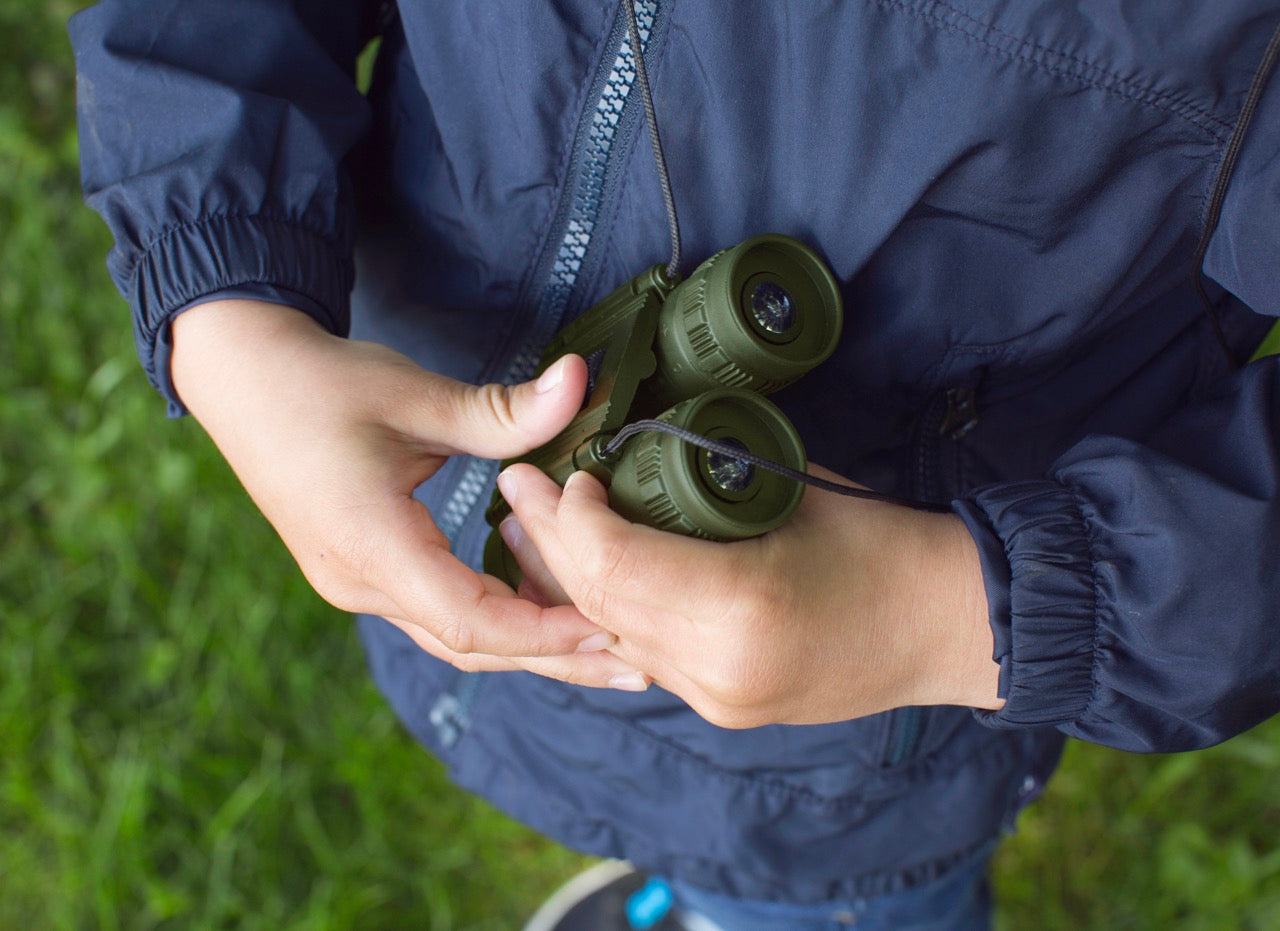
x,y
188,738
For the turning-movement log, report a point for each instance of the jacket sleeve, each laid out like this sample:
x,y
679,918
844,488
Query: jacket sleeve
x,y
212,139
1135,590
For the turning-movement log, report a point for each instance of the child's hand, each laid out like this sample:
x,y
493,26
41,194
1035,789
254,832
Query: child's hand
x,y
850,608
331,436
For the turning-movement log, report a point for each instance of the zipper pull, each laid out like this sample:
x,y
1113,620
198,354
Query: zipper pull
x,y
387,14
449,718
961,415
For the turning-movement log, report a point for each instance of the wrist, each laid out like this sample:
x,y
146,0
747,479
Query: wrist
x,y
219,345
954,617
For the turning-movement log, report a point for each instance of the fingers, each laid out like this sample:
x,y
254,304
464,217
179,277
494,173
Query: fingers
x,y
331,451
538,585
591,668
587,545
698,617
495,421
396,562
461,610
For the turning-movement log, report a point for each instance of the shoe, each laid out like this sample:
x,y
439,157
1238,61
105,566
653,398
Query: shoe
x,y
610,896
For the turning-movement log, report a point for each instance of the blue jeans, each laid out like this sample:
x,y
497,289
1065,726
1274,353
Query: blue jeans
x,y
959,900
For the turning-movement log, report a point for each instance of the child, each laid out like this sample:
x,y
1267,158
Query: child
x,y
841,717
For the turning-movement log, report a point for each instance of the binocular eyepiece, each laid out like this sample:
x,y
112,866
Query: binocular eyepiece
x,y
698,355
757,317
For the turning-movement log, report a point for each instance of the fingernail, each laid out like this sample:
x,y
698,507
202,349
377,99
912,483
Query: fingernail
x,y
550,378
512,532
597,641
507,485
629,682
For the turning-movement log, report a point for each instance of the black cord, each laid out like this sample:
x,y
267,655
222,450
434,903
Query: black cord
x,y
651,120
715,446
1219,195
737,452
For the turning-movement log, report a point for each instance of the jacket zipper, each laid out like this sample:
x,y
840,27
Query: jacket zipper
x,y
950,415
578,214
961,414
580,208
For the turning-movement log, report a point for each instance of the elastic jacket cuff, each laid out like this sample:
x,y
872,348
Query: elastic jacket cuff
x,y
1038,570
233,251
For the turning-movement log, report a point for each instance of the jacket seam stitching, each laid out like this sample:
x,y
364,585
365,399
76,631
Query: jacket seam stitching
x,y
1205,194
1085,72
937,866
774,787
770,786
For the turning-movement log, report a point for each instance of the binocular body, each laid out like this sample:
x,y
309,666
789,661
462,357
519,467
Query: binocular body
x,y
699,355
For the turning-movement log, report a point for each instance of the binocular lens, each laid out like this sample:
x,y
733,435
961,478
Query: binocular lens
x,y
771,309
725,473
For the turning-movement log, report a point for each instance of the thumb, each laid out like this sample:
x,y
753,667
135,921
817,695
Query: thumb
x,y
497,421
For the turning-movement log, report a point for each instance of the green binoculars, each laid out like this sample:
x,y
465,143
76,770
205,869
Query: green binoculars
x,y
698,355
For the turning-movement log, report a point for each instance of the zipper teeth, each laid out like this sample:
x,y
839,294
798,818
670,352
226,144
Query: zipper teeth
x,y
470,487
927,449
590,188
907,723
478,474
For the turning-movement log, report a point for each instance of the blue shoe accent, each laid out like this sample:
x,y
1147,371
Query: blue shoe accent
x,y
649,904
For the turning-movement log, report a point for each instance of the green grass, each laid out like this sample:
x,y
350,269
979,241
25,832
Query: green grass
x,y
1186,841
188,738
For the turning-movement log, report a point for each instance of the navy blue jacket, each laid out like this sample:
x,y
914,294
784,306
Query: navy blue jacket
x,y
1011,195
